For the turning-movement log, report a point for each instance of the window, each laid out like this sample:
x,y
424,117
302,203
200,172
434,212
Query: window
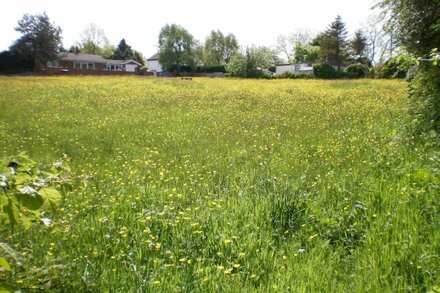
x,y
53,64
83,65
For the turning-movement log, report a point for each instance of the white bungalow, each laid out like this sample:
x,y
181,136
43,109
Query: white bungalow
x,y
295,68
153,63
131,65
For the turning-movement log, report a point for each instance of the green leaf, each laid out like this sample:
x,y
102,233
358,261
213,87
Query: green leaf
x,y
51,196
31,201
23,178
7,288
26,222
4,264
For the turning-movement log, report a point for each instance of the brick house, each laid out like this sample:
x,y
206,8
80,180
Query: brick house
x,y
91,64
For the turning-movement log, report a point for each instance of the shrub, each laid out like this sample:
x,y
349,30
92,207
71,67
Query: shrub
x,y
356,70
211,69
398,66
326,71
294,75
425,94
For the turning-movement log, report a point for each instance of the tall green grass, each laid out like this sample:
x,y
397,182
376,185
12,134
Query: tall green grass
x,y
226,185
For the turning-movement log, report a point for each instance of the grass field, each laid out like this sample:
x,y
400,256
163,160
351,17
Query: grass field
x,y
223,185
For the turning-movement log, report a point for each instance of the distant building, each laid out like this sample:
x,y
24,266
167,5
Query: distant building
x,y
88,62
153,63
295,68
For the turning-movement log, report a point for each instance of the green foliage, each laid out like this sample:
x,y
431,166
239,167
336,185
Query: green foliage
x,y
398,66
334,45
219,49
293,75
356,70
425,95
417,25
11,63
211,69
253,63
40,40
306,53
176,48
27,188
124,52
416,22
325,71
358,47
94,40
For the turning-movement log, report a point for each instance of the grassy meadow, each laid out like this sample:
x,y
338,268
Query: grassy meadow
x,y
225,185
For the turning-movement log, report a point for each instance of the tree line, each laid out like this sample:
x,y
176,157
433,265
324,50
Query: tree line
x,y
41,41
179,51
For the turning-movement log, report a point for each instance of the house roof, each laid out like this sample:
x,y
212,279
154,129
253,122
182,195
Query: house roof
x,y
117,62
83,57
154,57
131,61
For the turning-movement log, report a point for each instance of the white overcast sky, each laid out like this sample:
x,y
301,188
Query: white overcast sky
x,y
252,22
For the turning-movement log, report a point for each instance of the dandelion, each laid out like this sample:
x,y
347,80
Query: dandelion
x,y
227,241
313,236
228,271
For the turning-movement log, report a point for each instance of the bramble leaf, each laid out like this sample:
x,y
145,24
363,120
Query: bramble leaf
x,y
31,201
51,196
4,264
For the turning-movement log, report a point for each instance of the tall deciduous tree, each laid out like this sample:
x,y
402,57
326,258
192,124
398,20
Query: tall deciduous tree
x,y
333,43
219,49
417,27
176,47
415,22
286,44
252,62
306,53
40,40
93,39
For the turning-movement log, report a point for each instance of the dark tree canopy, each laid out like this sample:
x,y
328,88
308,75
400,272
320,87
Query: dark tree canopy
x,y
176,47
417,27
40,40
333,43
124,52
358,48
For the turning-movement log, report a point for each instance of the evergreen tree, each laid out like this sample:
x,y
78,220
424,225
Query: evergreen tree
x,y
358,48
41,40
334,45
123,51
